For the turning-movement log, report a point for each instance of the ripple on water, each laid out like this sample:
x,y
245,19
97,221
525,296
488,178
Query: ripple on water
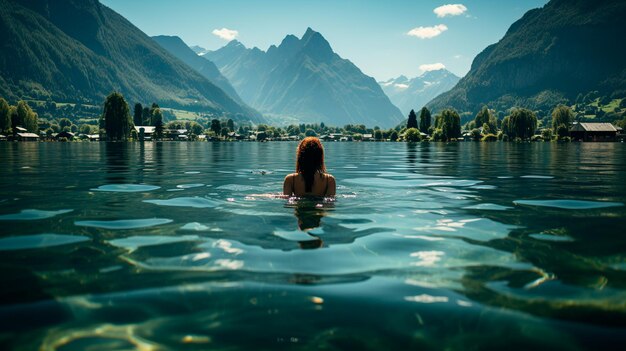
x,y
195,202
29,215
126,188
189,186
133,242
405,183
124,223
239,187
38,241
195,226
549,237
568,204
536,177
487,206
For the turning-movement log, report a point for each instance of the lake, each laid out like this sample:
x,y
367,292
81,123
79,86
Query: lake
x,y
176,246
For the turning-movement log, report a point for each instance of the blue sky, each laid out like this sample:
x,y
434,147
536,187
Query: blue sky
x,y
372,34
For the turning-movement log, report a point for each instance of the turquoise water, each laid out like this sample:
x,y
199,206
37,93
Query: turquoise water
x,y
177,246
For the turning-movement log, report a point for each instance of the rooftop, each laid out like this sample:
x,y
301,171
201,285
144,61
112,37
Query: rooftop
x,y
594,127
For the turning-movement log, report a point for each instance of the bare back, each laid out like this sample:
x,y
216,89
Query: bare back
x,y
323,185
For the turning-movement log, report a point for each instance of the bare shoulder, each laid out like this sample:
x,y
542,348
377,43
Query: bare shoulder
x,y
289,176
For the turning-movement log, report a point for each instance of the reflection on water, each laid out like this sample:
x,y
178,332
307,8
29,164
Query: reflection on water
x,y
427,246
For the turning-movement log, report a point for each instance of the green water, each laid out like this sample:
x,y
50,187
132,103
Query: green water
x,y
175,246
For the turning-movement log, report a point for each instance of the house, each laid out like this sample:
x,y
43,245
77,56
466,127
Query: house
x,y
236,136
3,137
93,137
367,137
27,137
66,135
593,132
145,132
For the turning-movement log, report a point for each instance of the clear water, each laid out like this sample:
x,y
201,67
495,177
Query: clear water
x,y
176,246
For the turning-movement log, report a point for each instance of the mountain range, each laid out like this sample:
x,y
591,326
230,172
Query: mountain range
x,y
304,79
549,56
80,51
177,47
413,94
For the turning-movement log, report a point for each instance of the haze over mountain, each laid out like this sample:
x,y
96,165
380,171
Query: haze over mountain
x,y
80,51
177,47
548,56
305,79
413,94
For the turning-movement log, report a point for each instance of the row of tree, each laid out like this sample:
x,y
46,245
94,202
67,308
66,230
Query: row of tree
x,y
20,115
520,124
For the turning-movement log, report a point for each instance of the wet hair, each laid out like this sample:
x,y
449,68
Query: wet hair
x,y
310,160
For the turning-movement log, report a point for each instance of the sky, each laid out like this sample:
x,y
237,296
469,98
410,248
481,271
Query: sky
x,y
384,38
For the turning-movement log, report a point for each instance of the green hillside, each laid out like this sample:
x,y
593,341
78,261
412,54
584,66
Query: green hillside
x,y
549,56
78,51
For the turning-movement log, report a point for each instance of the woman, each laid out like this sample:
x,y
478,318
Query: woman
x,y
310,178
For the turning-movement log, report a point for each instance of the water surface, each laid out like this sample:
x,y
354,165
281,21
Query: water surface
x,y
178,246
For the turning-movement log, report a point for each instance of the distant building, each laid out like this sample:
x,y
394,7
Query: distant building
x,y
93,137
367,137
593,132
27,137
66,135
147,131
3,137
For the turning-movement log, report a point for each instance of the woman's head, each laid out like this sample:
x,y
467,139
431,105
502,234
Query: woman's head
x,y
310,160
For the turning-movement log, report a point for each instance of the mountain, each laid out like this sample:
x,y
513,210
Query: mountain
x,y
305,79
80,51
177,47
548,56
199,50
413,94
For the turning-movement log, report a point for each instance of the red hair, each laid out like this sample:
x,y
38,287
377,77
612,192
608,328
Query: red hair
x,y
310,160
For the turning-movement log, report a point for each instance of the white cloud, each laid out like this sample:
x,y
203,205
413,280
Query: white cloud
x,y
427,32
401,86
458,57
432,66
225,33
450,10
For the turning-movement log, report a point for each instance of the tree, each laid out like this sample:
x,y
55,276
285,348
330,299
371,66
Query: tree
x,y
146,117
522,124
216,126
482,117
157,120
26,117
450,124
561,115
393,136
310,132
138,115
116,116
85,129
5,116
230,124
425,120
412,134
412,122
378,135
65,122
